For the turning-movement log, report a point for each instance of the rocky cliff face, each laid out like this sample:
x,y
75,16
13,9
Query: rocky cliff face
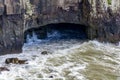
x,y
16,16
11,26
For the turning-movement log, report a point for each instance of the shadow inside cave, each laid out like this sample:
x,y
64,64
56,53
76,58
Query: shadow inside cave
x,y
59,31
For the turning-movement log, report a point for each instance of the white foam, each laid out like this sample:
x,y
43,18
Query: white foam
x,y
38,64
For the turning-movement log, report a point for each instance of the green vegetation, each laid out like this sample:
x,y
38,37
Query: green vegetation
x,y
29,9
109,2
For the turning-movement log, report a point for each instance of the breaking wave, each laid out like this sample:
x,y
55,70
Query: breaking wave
x,y
68,59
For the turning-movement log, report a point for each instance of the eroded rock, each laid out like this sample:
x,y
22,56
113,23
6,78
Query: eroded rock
x,y
4,69
51,77
44,53
15,61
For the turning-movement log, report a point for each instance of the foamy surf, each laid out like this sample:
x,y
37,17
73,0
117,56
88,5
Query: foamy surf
x,y
40,67
67,59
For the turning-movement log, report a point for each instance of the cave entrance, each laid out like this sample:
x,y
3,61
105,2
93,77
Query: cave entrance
x,y
59,31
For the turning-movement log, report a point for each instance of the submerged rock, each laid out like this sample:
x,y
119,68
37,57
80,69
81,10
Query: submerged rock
x,y
4,69
22,62
15,61
50,76
44,53
11,60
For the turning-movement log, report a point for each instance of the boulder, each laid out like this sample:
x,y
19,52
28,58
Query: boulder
x,y
15,61
4,69
50,76
22,62
44,53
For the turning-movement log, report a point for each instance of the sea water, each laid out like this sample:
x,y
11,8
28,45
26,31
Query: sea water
x,y
68,58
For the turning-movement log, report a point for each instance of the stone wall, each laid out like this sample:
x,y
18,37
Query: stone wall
x,y
16,16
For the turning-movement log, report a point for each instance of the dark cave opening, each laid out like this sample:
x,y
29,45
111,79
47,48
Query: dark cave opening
x,y
58,31
69,30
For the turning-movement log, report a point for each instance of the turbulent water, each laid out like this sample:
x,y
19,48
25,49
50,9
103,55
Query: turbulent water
x,y
68,58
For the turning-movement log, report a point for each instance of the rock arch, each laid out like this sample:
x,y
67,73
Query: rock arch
x,y
78,31
18,16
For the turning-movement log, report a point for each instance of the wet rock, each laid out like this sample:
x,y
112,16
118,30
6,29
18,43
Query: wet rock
x,y
11,60
50,76
22,61
15,61
4,69
44,53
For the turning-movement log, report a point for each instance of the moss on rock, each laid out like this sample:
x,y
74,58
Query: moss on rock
x,y
109,2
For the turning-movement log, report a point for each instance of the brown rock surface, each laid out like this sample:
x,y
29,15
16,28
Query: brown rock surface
x,y
15,61
3,69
